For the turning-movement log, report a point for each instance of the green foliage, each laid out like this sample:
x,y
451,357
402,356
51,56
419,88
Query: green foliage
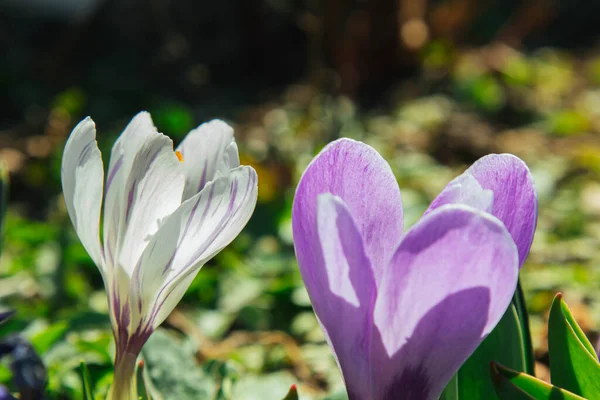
x,y
292,394
172,370
513,385
568,122
88,393
465,104
574,366
573,360
508,344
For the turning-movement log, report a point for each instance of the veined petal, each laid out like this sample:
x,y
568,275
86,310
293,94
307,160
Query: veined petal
x,y
515,198
342,290
154,188
464,189
357,174
138,132
448,285
200,228
82,181
208,151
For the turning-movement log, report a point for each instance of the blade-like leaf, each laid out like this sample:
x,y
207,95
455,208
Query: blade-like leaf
x,y
292,394
144,385
519,303
88,393
573,361
505,345
451,390
513,385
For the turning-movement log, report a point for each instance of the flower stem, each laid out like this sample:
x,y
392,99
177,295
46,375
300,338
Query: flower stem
x,y
124,386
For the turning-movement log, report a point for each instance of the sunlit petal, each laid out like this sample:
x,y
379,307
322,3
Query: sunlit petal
x,y
207,151
82,181
448,285
193,234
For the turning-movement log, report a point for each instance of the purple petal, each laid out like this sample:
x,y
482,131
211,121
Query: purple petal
x,y
342,290
134,138
5,393
515,198
357,174
464,189
449,283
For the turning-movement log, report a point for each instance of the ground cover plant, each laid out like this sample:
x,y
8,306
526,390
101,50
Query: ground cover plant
x,y
281,308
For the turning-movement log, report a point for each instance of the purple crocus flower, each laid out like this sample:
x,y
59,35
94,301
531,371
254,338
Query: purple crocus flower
x,y
402,312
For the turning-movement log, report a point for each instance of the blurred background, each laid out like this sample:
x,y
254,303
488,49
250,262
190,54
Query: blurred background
x,y
433,85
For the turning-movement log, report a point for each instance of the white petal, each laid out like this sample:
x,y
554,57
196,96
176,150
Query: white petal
x,y
137,133
193,234
208,151
153,191
174,297
82,176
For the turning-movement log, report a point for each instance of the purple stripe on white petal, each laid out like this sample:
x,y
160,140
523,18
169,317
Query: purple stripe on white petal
x,y
130,198
153,192
209,152
201,228
113,172
203,177
85,153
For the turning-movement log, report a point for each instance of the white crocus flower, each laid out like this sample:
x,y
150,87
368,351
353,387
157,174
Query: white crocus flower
x,y
166,213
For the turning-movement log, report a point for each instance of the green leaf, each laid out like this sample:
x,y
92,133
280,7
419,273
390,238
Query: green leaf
x,y
451,391
173,371
573,360
88,393
504,344
263,387
144,385
44,340
292,394
514,385
341,395
519,303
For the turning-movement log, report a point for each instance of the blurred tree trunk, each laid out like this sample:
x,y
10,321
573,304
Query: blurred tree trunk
x,y
362,44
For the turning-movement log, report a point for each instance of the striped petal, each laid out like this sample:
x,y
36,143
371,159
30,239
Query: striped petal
x,y
514,195
448,285
82,181
154,187
138,132
193,234
208,151
357,174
